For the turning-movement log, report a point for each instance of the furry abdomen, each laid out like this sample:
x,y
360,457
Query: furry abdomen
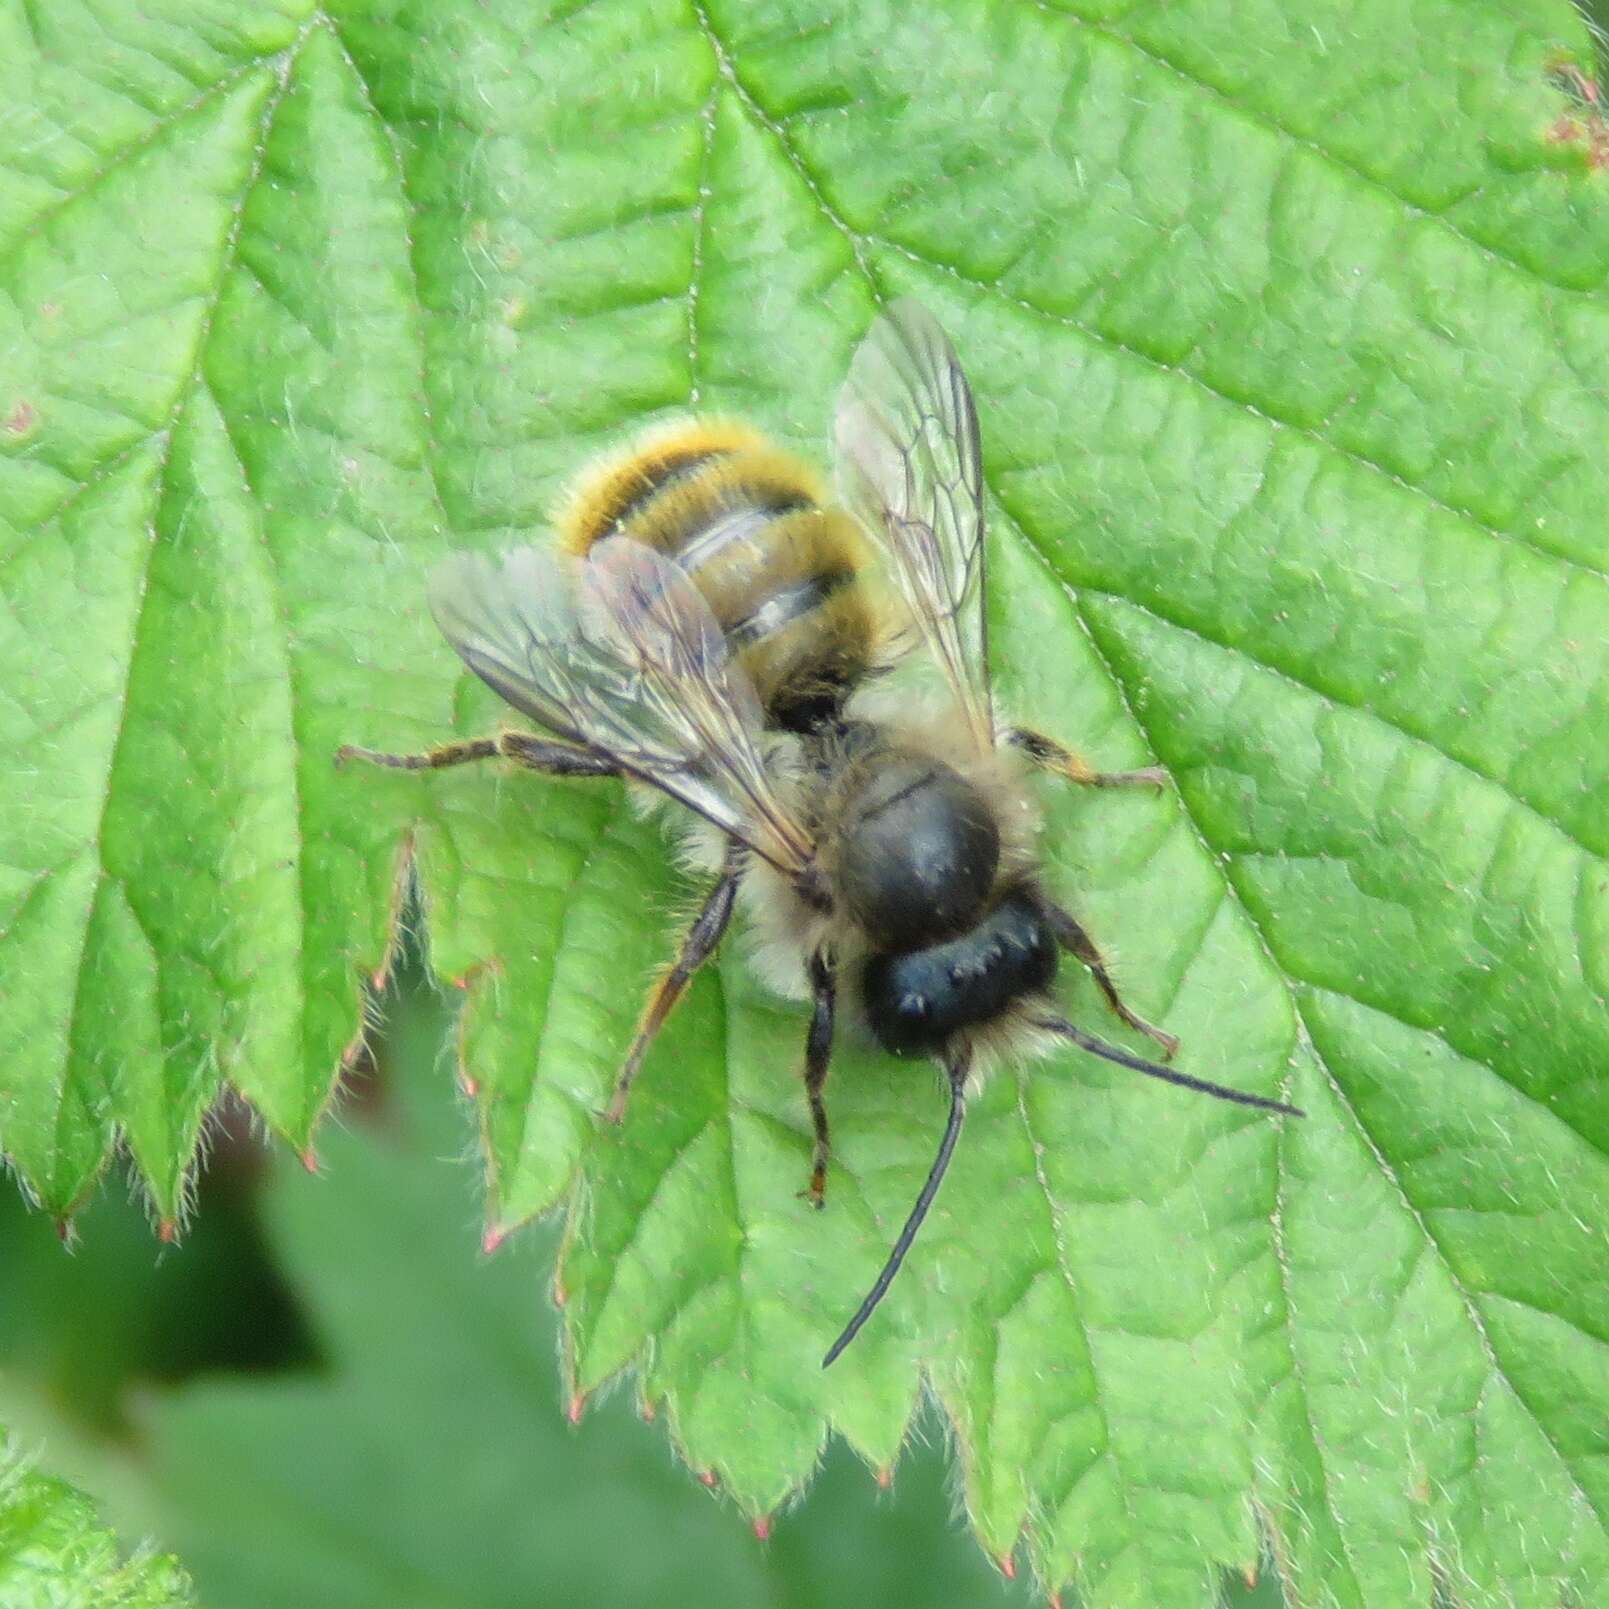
x,y
916,1001
782,571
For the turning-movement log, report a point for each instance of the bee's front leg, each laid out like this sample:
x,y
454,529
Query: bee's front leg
x,y
535,753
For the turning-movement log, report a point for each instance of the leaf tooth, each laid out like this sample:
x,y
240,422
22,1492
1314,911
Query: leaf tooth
x,y
577,1407
709,1478
492,1238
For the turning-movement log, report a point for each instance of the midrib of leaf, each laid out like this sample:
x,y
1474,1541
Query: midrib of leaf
x,y
707,116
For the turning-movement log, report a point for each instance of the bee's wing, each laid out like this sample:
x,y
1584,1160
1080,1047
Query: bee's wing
x,y
910,469
620,653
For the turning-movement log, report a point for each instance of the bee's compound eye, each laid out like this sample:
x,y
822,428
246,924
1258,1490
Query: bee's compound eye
x,y
919,855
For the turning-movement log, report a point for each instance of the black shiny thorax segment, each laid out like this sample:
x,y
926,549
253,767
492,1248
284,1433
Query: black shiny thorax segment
x,y
916,999
917,844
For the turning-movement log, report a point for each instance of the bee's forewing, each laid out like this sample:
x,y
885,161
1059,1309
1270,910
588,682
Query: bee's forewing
x,y
620,653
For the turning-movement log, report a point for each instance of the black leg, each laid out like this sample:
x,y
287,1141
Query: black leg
x,y
818,1057
697,946
1050,755
538,754
1076,941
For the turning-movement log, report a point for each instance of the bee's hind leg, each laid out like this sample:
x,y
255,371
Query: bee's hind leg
x,y
538,754
818,1058
698,944
1076,941
1050,755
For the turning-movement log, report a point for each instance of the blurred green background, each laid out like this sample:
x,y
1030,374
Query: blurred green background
x,y
327,1397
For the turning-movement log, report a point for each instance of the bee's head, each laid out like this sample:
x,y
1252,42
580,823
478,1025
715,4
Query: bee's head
x,y
917,853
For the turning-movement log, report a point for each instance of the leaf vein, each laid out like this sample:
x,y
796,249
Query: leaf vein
x,y
1318,438
1464,767
1323,153
1387,1172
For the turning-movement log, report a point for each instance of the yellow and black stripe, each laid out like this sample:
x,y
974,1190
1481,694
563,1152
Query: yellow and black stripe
x,y
782,570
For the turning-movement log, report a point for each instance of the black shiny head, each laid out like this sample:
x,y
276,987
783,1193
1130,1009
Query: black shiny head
x,y
918,853
915,999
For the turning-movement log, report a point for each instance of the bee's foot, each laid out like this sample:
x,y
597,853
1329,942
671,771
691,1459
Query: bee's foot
x,y
816,1191
1169,1043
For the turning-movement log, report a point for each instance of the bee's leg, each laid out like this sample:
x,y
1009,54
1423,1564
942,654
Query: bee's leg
x,y
1076,941
1053,756
698,943
556,759
818,1057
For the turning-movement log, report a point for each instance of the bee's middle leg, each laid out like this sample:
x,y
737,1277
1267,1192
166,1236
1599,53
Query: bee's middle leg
x,y
698,944
1072,937
1050,755
818,1058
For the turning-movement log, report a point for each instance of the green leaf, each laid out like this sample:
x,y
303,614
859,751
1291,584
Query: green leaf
x,y
54,1553
431,1463
1288,325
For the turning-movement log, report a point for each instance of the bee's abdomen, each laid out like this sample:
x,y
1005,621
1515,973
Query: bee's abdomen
x,y
916,999
783,572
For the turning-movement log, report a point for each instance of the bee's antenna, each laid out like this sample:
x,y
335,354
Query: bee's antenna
x,y
957,1070
1099,1047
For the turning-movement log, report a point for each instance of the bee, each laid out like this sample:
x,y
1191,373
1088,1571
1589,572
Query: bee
x,y
712,625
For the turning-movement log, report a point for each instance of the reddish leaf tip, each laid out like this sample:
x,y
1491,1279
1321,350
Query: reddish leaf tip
x,y
648,1411
470,1086
709,1478
309,1160
885,1476
1008,1566
1054,1600
1249,1576
578,1406
167,1231
762,1527
65,1232
492,1239
560,1294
